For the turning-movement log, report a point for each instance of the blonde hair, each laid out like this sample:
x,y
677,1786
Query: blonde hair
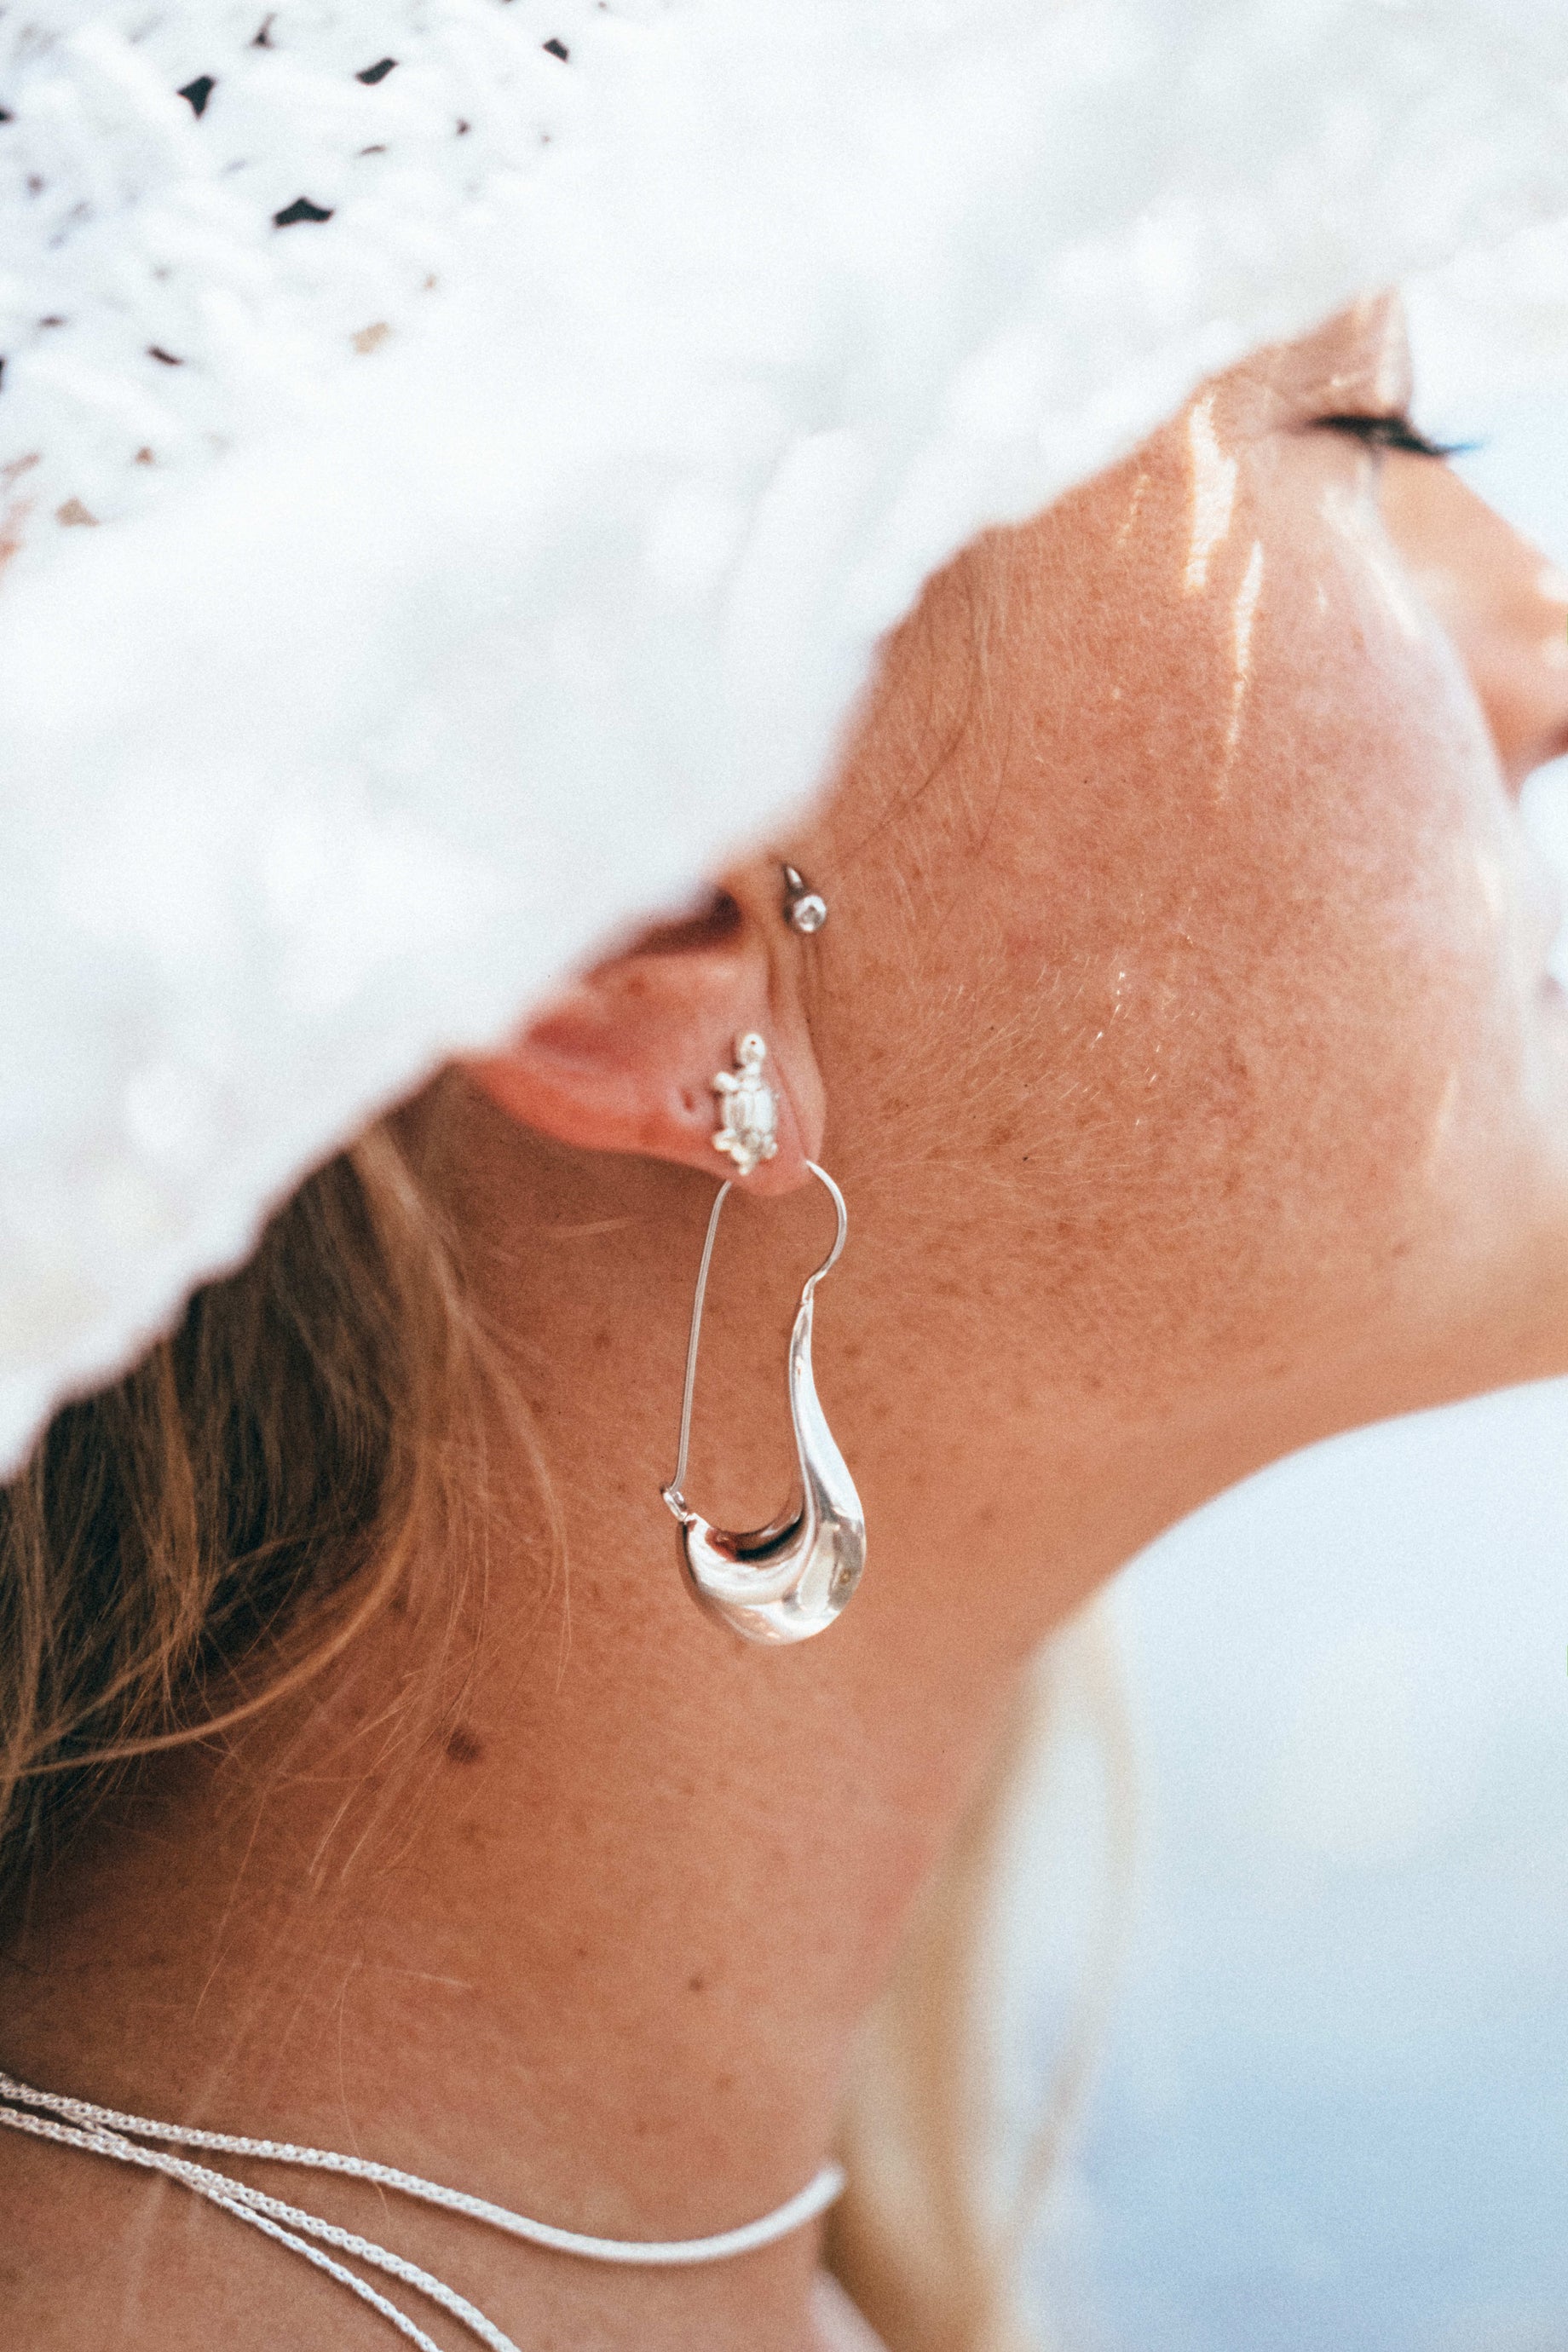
x,y
930,2239
216,1525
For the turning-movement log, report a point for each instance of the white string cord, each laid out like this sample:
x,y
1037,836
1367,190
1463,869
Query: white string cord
x,y
246,2206
269,2215
105,2131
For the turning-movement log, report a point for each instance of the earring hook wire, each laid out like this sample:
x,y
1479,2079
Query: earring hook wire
x,y
673,1493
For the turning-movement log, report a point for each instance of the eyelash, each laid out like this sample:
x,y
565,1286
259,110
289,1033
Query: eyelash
x,y
1390,433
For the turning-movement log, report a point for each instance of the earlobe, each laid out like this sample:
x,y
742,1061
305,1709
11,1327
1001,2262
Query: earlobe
x,y
627,1057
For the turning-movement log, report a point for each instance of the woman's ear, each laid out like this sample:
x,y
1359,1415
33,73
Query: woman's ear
x,y
625,1058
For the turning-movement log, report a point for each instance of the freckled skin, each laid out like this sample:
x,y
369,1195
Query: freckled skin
x,y
1247,1057
1185,1061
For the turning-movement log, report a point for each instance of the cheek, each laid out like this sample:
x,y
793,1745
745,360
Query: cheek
x,y
1239,918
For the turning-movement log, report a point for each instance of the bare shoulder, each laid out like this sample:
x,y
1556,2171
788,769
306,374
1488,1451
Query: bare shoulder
x,y
839,2327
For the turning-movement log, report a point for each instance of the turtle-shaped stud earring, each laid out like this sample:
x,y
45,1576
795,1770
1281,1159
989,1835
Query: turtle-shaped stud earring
x,y
748,1107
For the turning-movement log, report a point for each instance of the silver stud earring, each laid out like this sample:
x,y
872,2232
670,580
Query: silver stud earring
x,y
787,1581
748,1107
804,910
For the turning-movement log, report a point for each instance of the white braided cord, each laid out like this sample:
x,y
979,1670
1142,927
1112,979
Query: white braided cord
x,y
816,2195
106,2131
246,2206
288,2224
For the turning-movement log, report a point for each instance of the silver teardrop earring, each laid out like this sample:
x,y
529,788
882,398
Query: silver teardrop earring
x,y
787,1581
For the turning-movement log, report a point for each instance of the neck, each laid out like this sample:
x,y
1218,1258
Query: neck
x,y
584,1920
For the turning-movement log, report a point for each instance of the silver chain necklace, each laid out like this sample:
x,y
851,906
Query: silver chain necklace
x,y
103,2131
